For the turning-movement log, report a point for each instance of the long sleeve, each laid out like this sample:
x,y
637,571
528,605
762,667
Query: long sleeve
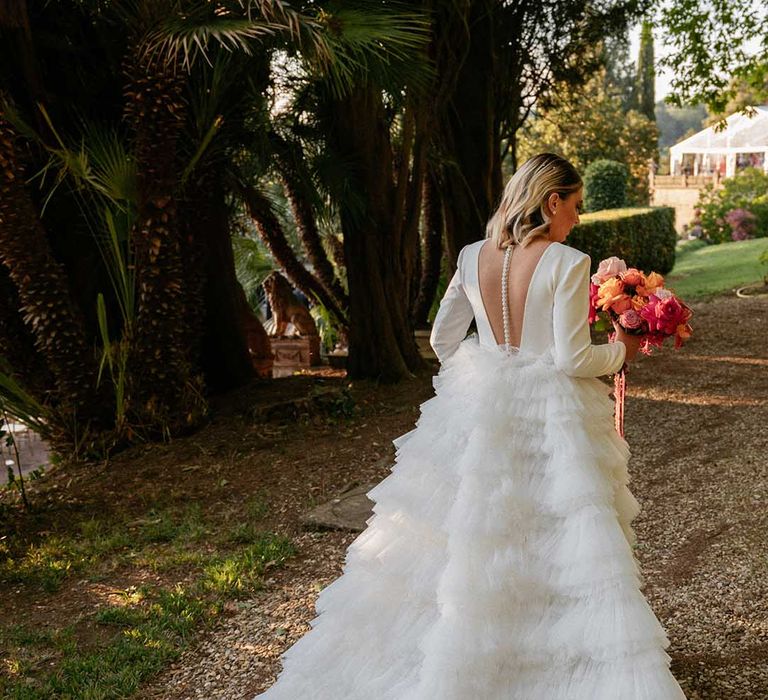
x,y
574,352
452,319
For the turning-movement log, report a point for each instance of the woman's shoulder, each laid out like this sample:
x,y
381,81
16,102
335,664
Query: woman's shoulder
x,y
469,252
473,247
569,255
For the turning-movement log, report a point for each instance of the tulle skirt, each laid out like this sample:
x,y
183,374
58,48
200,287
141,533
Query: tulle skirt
x,y
498,562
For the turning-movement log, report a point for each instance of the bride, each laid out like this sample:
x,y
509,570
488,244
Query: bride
x,y
498,563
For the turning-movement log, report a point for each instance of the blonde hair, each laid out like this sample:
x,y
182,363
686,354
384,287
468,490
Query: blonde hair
x,y
522,214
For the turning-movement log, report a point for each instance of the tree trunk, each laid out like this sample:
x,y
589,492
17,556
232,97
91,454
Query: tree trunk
x,y
337,253
299,189
272,234
468,134
433,249
48,310
162,386
17,346
379,243
224,356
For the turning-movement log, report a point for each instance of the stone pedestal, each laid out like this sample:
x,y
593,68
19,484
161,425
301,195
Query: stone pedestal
x,y
294,353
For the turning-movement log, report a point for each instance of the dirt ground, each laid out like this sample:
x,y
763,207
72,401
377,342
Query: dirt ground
x,y
696,424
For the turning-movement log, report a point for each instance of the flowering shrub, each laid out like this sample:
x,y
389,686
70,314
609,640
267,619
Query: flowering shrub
x,y
745,192
742,223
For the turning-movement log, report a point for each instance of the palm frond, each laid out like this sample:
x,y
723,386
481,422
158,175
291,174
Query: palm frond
x,y
113,168
191,33
367,40
185,39
19,403
252,265
100,163
118,260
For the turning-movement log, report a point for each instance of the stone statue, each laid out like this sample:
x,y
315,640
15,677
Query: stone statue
x,y
286,308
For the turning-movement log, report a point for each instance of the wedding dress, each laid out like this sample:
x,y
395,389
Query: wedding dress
x,y
498,563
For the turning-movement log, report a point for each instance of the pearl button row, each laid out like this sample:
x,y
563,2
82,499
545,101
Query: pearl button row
x,y
504,301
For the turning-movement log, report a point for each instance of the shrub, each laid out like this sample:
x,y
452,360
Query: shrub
x,y
644,237
742,223
605,185
748,190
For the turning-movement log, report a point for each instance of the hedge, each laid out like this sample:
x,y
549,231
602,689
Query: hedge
x,y
605,185
644,237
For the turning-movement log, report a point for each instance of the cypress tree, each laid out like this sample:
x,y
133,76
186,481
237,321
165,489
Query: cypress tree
x,y
645,89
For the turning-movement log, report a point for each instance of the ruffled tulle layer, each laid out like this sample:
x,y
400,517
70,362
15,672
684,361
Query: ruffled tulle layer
x,y
498,562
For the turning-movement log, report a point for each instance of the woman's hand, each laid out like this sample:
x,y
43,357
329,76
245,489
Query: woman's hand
x,y
631,341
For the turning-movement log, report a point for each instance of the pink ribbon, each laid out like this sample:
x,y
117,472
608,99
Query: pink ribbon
x,y
619,390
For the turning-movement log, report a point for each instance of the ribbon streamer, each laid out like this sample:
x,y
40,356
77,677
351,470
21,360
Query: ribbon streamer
x,y
619,390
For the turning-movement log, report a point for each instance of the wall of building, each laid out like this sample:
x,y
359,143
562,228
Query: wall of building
x,y
679,192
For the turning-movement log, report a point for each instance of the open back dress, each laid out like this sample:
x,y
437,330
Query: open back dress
x,y
498,563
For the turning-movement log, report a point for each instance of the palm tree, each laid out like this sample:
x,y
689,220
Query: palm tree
x,y
190,158
56,325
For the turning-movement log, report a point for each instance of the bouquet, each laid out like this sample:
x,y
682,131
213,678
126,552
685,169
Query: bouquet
x,y
642,306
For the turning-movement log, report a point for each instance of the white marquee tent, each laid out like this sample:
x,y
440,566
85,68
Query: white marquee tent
x,y
743,143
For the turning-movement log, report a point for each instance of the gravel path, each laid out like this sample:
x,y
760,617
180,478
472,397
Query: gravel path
x,y
696,422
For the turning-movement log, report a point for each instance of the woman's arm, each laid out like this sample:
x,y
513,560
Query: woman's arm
x,y
453,317
574,353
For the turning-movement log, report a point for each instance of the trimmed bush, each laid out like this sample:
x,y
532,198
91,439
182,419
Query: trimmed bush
x,y
605,185
643,237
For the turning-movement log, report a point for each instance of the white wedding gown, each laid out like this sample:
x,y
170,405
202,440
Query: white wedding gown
x,y
498,563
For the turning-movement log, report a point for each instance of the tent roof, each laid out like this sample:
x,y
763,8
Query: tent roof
x,y
743,134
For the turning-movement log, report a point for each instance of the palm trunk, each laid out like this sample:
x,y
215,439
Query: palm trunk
x,y
17,346
163,388
337,253
272,234
299,189
43,290
215,311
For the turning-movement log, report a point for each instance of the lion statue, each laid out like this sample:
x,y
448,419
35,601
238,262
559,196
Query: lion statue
x,y
286,308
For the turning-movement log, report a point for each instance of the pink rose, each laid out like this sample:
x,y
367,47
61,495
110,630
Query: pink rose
x,y
664,315
648,313
671,314
631,320
610,267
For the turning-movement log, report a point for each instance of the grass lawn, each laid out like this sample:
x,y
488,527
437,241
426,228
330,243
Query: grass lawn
x,y
124,564
703,270
184,568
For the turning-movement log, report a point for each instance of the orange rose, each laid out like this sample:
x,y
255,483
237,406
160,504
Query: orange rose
x,y
622,303
611,292
638,302
652,282
633,277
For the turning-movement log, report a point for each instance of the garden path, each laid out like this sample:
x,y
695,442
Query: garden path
x,y
696,422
